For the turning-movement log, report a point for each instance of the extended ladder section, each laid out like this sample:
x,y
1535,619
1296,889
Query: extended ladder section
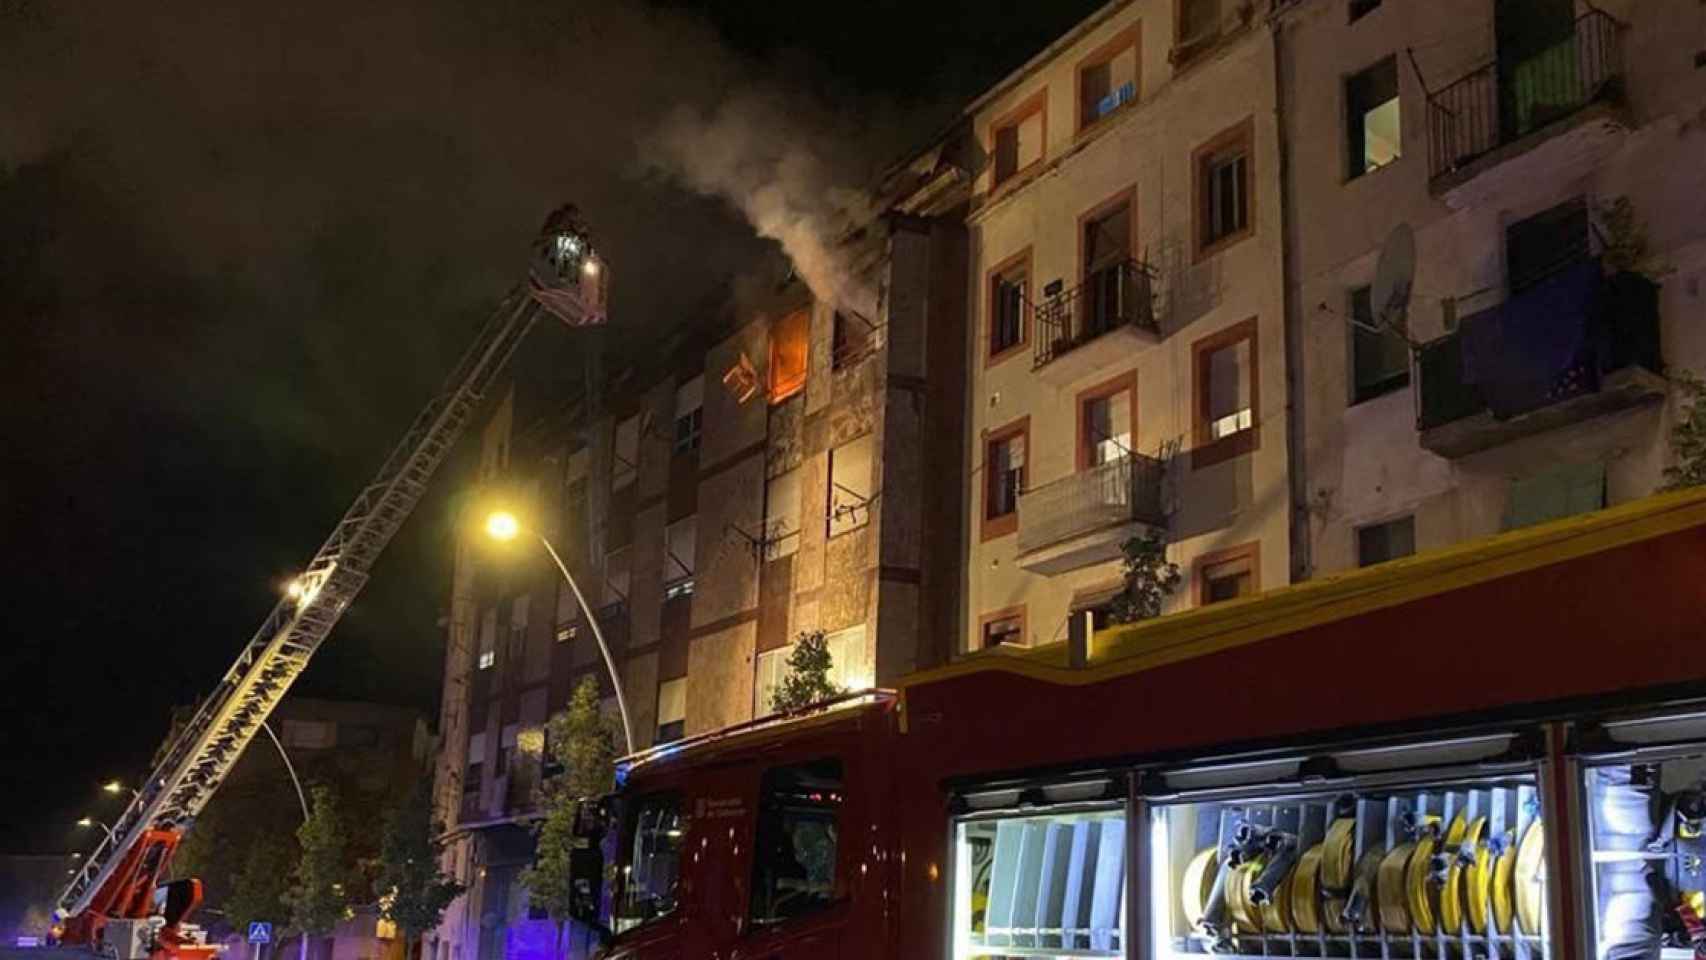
x,y
204,751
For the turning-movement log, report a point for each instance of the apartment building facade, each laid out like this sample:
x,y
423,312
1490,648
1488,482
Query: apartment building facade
x,y
1527,379
1126,348
771,473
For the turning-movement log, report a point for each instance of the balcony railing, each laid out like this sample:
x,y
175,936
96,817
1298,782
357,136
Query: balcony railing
x,y
1115,297
1122,490
1554,342
1505,101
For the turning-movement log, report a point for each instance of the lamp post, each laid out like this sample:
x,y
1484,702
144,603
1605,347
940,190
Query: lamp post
x,y
503,525
92,822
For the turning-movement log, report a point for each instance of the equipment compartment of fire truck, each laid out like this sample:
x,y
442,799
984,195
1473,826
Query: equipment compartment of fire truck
x,y
1360,853
1644,791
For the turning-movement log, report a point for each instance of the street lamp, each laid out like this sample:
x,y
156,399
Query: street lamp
x,y
503,525
92,822
112,786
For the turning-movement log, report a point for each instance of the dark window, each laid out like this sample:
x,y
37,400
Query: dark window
x,y
1225,584
471,776
687,429
651,880
1006,469
1006,152
1362,8
1004,630
672,731
852,339
1007,294
1225,193
1107,247
1198,19
1227,575
1545,243
1386,541
794,859
1380,361
1372,118
357,735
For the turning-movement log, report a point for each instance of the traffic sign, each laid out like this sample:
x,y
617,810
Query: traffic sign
x,y
260,932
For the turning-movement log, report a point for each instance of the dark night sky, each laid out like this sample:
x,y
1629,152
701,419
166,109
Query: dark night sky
x,y
240,243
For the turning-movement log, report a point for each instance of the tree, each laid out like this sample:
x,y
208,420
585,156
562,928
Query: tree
x,y
1150,578
257,891
808,680
316,895
1688,435
583,747
414,893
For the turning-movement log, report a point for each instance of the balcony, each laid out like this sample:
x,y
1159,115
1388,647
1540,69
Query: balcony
x,y
1095,324
1556,112
1573,347
1084,518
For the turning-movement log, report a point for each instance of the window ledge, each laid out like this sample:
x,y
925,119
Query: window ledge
x,y
1222,245
1226,448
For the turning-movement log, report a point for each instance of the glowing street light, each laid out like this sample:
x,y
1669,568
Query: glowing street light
x,y
92,822
503,525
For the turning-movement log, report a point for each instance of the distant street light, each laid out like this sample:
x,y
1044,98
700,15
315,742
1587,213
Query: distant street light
x,y
503,525
92,822
113,786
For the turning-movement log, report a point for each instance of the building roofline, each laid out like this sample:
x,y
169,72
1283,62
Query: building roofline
x,y
1078,32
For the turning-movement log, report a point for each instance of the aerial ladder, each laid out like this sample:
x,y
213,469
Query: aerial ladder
x,y
116,901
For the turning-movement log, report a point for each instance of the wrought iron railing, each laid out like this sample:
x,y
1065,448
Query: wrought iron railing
x,y
1120,295
1506,100
1620,323
1122,490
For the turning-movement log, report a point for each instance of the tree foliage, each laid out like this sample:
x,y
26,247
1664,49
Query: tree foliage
x,y
257,891
414,892
583,747
1688,434
807,681
316,895
1150,578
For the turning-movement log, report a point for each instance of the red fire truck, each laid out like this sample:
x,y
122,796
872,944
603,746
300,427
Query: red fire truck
x,y
1493,751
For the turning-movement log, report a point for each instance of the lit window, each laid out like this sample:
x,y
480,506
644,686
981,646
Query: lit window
x,y
1380,542
1380,357
850,470
488,658
790,347
846,652
1108,79
1226,395
1105,426
567,632
1372,117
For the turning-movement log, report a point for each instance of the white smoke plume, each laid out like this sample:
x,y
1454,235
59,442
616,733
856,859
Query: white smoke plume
x,y
759,152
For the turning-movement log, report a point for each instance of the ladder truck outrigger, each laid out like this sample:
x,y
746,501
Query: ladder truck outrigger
x,y
117,901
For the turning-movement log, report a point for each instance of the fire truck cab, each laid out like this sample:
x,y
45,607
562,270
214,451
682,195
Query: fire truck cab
x,y
1491,752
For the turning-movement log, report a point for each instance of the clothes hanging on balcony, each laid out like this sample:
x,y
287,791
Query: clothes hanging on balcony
x,y
1536,348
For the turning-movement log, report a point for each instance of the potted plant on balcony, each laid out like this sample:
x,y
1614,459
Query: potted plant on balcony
x,y
1150,578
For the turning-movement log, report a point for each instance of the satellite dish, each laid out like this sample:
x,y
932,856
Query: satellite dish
x,y
1393,275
